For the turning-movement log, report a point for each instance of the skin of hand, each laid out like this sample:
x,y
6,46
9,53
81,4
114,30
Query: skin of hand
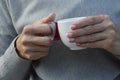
x,y
34,41
96,32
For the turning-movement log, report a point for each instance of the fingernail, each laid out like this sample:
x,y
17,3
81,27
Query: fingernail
x,y
71,39
69,35
73,27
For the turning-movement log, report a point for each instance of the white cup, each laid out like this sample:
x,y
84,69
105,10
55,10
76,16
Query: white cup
x,y
63,28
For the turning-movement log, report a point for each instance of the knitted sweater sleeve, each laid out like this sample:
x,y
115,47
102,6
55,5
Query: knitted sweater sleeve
x,y
12,67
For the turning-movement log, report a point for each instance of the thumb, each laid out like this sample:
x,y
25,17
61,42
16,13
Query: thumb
x,y
49,18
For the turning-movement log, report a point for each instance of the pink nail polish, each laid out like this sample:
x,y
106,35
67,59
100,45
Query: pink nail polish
x,y
73,27
69,35
71,39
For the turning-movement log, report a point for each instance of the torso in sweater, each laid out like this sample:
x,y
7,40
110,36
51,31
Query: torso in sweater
x,y
62,63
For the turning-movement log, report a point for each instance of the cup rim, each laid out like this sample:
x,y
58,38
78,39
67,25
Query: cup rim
x,y
69,19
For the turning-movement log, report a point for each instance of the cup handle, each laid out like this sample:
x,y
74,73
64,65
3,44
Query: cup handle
x,y
55,33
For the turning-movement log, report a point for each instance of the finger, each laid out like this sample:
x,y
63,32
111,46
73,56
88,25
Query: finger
x,y
50,18
35,48
87,30
42,29
98,44
91,20
92,38
40,41
36,55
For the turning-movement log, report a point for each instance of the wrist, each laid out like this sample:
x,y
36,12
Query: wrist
x,y
17,49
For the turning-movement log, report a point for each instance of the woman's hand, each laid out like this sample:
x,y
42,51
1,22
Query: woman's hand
x,y
96,32
34,41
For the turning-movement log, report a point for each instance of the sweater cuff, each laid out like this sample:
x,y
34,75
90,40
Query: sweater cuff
x,y
12,53
12,65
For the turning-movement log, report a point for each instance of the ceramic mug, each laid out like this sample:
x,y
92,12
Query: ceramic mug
x,y
60,30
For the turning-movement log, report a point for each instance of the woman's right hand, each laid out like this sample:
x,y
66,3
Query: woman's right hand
x,y
34,41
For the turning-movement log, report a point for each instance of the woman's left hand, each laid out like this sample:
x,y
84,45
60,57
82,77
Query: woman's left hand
x,y
96,32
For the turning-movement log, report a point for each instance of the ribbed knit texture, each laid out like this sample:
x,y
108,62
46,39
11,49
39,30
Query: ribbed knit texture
x,y
61,63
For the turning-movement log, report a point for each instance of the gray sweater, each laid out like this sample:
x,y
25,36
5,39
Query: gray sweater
x,y
61,63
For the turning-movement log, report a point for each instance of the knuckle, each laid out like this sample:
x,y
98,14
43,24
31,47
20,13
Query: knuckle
x,y
91,19
110,24
24,41
26,29
27,39
112,33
